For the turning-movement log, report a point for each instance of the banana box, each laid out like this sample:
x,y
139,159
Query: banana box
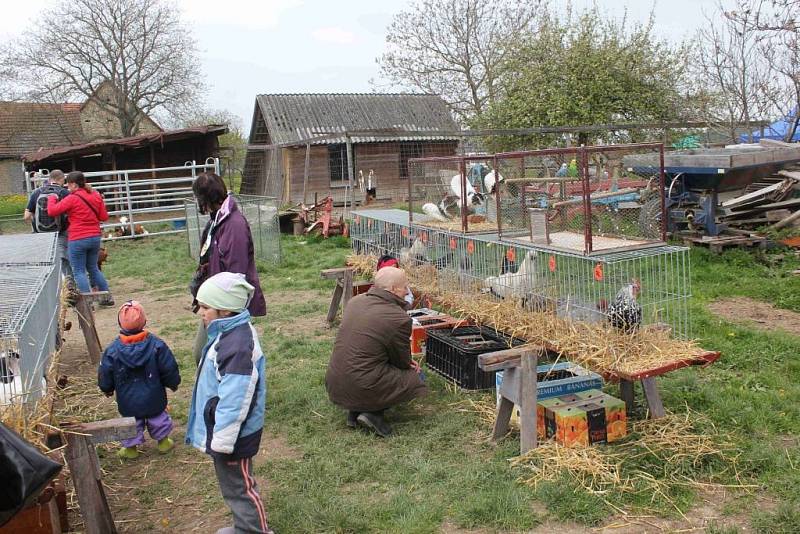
x,y
596,418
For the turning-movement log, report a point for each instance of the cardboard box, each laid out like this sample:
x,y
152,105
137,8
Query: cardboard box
x,y
595,418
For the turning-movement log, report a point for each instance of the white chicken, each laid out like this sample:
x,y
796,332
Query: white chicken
x,y
625,312
517,284
413,254
11,386
435,212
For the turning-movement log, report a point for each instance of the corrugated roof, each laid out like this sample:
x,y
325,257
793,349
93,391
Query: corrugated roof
x,y
26,126
125,142
293,118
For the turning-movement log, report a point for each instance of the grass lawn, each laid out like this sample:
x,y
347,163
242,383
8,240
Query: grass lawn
x,y
438,473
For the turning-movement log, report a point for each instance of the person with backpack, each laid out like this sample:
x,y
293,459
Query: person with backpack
x,y
86,210
40,221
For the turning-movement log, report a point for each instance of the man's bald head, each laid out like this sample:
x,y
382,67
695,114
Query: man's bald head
x,y
392,279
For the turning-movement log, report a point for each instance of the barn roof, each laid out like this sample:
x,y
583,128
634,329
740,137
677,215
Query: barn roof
x,y
125,143
26,126
295,118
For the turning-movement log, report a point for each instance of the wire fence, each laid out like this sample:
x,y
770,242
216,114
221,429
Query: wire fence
x,y
142,202
262,216
29,310
571,285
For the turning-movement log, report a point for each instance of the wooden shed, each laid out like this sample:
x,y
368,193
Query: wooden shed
x,y
306,144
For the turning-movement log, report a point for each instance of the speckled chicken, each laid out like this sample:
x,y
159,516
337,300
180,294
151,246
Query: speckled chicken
x,y
625,312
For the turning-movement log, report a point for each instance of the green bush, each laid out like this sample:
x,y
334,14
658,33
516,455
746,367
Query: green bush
x,y
13,204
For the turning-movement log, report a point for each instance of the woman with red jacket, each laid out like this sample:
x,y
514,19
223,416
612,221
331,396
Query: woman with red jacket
x,y
86,210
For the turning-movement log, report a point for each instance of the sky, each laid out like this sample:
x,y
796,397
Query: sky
x,y
248,47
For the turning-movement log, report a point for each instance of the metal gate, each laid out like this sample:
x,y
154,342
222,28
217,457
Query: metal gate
x,y
143,202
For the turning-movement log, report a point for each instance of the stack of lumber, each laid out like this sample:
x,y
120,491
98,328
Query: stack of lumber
x,y
772,200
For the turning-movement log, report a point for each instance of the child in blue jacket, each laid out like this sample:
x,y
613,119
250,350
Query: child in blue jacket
x,y
226,416
139,366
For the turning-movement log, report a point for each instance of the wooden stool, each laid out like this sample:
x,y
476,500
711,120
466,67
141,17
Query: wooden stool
x,y
84,468
518,387
345,289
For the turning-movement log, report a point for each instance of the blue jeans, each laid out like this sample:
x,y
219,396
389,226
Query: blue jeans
x,y
83,257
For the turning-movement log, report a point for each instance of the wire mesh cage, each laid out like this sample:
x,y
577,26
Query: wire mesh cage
x,y
261,214
581,199
641,288
29,312
453,193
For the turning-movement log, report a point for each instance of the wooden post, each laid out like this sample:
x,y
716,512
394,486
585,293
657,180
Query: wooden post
x,y
84,468
503,417
527,423
305,173
627,393
347,288
86,320
653,398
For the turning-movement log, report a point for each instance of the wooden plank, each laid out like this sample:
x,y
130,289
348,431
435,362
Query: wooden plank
x,y
86,322
499,366
754,195
334,274
347,288
626,391
335,300
503,418
499,356
786,221
86,477
653,398
106,430
527,423
701,359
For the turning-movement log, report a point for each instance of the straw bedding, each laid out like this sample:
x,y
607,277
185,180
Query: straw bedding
x,y
595,346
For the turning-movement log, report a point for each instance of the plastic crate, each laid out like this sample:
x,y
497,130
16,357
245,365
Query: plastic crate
x,y
453,353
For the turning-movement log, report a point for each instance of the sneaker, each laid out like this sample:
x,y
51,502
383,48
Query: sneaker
x,y
128,453
226,530
352,419
165,445
375,422
107,301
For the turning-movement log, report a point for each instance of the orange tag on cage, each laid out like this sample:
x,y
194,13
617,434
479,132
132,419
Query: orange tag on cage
x,y
404,232
470,247
452,243
369,223
511,254
598,272
551,263
424,236
358,219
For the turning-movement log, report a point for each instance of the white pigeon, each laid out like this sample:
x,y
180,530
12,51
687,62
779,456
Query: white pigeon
x,y
491,181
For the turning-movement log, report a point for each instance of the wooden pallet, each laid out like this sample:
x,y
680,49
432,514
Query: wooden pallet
x,y
719,243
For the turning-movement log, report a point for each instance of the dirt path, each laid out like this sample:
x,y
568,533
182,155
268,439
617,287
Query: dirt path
x,y
763,315
175,492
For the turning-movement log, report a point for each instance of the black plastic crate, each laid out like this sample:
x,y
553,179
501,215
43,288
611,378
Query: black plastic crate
x,y
453,353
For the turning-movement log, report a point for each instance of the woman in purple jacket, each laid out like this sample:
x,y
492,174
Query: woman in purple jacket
x,y
226,246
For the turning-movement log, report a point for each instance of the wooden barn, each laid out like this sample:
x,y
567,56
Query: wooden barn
x,y
302,145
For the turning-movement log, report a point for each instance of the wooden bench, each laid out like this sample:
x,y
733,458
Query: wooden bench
x,y
345,289
518,387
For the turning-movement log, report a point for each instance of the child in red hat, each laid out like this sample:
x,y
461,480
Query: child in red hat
x,y
139,366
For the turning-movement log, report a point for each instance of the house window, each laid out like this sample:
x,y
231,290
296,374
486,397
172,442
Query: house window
x,y
337,163
408,151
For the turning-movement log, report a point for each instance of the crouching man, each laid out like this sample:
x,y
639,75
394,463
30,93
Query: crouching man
x,y
371,367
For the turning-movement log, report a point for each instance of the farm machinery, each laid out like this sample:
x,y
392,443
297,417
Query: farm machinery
x,y
695,179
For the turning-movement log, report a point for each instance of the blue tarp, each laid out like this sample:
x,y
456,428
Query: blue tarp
x,y
777,130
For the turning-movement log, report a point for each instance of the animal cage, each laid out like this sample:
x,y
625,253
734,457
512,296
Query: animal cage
x,y
581,199
652,281
262,215
29,311
453,193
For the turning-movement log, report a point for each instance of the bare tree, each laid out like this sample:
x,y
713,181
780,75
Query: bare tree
x,y
455,48
732,69
139,46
